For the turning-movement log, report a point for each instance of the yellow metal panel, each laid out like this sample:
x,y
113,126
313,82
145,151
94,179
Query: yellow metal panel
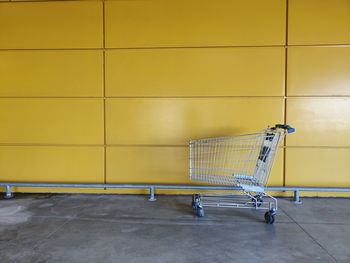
x,y
51,73
52,164
319,22
195,23
276,177
176,121
195,72
66,24
147,165
318,71
319,121
58,121
318,167
168,165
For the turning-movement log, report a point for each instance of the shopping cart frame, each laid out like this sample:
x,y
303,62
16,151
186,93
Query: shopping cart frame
x,y
252,193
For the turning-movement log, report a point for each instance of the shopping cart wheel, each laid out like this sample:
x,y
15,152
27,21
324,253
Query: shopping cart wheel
x,y
194,205
200,211
195,201
259,200
270,217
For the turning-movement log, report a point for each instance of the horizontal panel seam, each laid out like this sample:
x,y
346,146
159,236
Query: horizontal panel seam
x,y
44,1
320,45
318,96
89,145
147,145
175,97
317,147
170,47
138,48
139,97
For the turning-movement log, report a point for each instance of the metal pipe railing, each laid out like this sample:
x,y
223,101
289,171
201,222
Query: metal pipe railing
x,y
153,187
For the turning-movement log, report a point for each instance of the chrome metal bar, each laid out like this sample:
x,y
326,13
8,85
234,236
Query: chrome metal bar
x,y
306,189
164,186
131,186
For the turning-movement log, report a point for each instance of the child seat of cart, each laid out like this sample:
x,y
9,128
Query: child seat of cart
x,y
243,180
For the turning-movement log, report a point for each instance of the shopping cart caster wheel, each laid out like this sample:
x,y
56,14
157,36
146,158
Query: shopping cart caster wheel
x,y
200,212
194,205
269,218
195,201
259,200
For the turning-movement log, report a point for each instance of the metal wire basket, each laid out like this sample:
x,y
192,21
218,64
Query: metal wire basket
x,y
243,161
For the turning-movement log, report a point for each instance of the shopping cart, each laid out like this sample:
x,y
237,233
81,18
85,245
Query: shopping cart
x,y
243,161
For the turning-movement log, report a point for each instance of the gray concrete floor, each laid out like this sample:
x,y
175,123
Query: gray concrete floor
x,y
127,228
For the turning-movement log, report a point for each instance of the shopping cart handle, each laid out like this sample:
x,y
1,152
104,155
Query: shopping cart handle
x,y
285,127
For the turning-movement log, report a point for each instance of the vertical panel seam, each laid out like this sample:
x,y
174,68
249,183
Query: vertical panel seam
x,y
104,95
285,93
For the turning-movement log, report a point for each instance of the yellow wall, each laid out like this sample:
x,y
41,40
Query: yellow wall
x,y
112,91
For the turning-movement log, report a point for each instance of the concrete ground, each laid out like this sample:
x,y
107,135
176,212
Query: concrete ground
x,y
127,228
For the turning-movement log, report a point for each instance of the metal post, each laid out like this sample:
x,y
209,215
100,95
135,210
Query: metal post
x,y
297,197
151,194
8,194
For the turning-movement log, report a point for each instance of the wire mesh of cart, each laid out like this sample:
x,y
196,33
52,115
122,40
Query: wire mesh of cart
x,y
243,162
